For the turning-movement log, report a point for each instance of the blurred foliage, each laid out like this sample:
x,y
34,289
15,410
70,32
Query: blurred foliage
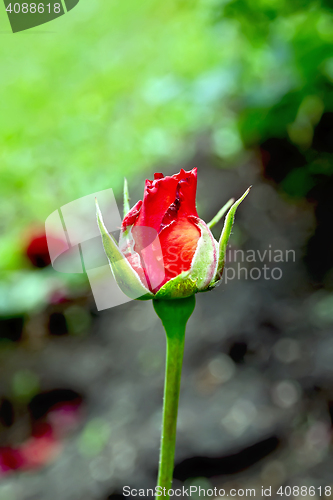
x,y
111,88
94,437
25,385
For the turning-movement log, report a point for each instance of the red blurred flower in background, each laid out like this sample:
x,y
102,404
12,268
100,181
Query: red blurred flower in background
x,y
46,439
37,251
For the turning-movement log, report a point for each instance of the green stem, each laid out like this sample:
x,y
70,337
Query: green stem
x,y
174,315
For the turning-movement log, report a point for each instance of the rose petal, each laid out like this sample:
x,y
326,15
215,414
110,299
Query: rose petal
x,y
187,189
158,196
178,241
132,216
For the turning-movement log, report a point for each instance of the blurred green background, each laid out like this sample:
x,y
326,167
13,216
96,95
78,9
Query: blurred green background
x,y
243,90
111,88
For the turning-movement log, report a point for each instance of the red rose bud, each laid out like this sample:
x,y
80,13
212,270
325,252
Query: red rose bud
x,y
165,250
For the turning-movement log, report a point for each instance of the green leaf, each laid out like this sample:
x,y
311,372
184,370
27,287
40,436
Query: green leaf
x,y
228,223
125,276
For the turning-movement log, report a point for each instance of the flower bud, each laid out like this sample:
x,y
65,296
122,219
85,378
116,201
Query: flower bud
x,y
165,250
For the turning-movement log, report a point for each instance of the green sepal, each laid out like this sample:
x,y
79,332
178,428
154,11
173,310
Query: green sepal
x,y
177,288
220,213
126,198
125,276
225,235
204,263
